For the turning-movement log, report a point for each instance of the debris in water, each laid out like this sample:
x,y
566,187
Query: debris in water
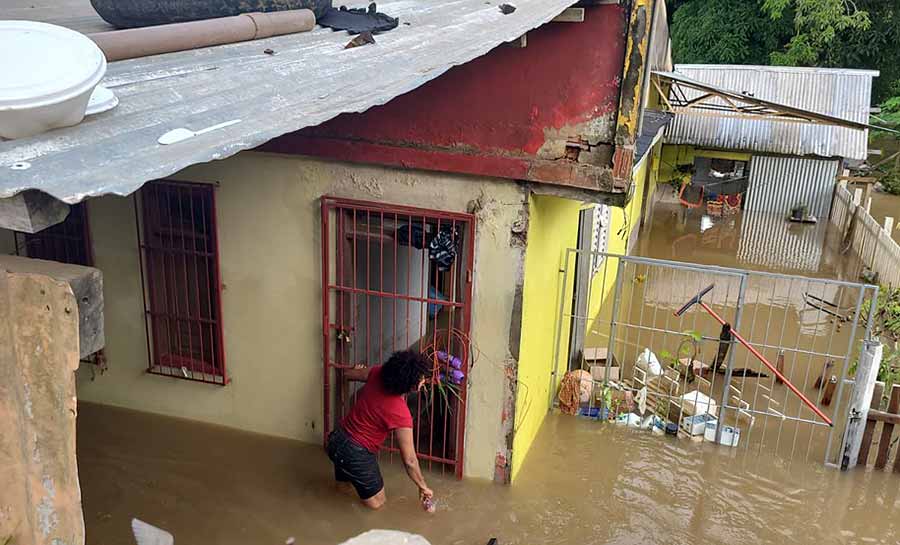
x,y
363,39
146,534
269,51
506,9
290,541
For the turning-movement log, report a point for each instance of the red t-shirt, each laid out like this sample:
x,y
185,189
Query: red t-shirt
x,y
375,413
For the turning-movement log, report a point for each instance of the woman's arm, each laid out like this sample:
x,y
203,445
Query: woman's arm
x,y
360,373
411,461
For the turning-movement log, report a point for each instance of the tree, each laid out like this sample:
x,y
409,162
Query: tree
x,y
817,24
877,47
725,32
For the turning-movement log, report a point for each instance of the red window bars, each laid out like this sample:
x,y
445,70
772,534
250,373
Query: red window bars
x,y
66,242
399,278
180,272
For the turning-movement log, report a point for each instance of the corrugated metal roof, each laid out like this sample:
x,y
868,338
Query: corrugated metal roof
x,y
311,79
836,92
653,122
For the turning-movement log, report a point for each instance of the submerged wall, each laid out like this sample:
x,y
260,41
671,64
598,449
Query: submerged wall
x,y
270,252
553,227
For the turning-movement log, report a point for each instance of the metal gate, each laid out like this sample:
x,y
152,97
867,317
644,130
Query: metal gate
x,y
397,278
641,354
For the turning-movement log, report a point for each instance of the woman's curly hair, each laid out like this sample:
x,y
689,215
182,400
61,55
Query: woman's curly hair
x,y
403,371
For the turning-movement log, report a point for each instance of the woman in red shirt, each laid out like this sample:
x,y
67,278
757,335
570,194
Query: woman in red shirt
x,y
380,408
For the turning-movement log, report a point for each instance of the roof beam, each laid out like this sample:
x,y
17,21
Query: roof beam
x,y
570,15
31,211
742,105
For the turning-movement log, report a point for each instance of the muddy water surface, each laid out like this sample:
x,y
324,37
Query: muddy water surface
x,y
584,483
883,205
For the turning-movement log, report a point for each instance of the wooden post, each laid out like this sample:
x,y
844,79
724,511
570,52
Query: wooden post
x,y
857,196
884,445
868,195
888,225
868,201
779,364
860,402
869,433
829,391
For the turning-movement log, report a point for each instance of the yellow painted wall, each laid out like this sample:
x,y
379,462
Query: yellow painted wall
x,y
553,227
627,220
675,155
269,222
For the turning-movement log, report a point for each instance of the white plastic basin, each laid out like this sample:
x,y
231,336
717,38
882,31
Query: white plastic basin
x,y
47,75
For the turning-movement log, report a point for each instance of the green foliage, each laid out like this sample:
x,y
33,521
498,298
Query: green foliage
x,y
887,328
836,33
891,181
725,32
817,24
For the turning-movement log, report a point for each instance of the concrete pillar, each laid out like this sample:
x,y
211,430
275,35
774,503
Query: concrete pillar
x,y
40,503
87,285
45,309
860,401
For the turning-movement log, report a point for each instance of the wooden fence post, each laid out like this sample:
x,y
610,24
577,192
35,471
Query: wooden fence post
x,y
870,425
887,430
860,401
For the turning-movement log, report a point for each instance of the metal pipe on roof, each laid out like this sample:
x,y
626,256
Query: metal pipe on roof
x,y
133,43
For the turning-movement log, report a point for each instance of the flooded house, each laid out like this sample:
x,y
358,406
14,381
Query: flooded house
x,y
760,144
417,192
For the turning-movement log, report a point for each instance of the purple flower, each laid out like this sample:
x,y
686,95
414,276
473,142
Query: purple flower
x,y
456,363
456,376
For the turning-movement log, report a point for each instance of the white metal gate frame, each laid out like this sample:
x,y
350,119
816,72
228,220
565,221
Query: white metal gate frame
x,y
580,318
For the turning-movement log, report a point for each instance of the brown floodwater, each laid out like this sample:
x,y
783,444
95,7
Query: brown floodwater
x,y
584,483
883,205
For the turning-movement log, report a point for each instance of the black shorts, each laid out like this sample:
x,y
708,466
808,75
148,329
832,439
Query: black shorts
x,y
354,464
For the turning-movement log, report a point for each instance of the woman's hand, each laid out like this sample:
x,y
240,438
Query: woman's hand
x,y
425,493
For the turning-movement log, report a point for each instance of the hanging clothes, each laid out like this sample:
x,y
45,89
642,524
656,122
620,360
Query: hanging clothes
x,y
443,248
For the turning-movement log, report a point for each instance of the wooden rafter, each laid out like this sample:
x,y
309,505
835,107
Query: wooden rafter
x,y
716,102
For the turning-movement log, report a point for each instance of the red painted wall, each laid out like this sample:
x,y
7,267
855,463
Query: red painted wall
x,y
488,116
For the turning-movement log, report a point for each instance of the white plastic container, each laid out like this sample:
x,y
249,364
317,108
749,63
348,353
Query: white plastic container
x,y
696,425
696,402
47,76
731,436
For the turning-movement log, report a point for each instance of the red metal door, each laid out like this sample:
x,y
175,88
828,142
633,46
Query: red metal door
x,y
397,278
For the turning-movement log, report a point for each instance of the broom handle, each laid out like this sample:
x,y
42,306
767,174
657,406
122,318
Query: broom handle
x,y
771,367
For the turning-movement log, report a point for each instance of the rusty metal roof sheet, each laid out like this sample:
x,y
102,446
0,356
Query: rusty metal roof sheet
x,y
840,93
309,80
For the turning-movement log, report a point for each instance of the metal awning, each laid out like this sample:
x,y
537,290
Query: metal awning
x,y
309,79
691,97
